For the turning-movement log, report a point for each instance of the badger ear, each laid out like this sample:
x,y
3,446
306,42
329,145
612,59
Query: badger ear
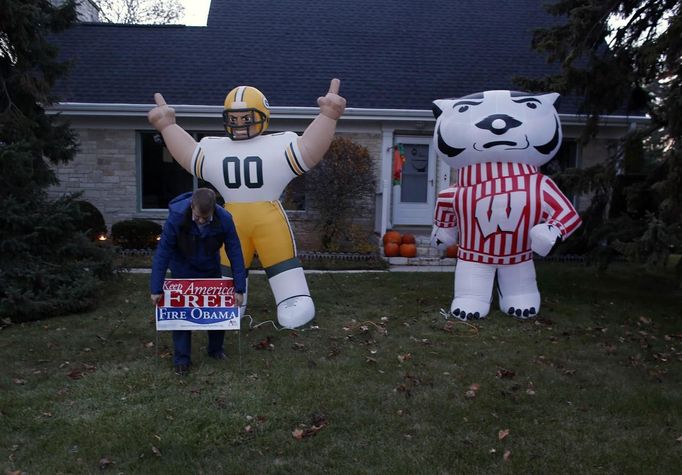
x,y
439,106
550,98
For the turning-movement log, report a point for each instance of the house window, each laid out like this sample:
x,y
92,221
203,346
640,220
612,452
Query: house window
x,y
162,178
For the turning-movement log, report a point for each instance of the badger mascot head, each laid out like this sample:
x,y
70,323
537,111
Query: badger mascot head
x,y
497,126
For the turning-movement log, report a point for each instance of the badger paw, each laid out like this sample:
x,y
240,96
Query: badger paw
x,y
463,315
469,309
522,313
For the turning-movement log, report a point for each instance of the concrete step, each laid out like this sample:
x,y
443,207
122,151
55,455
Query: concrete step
x,y
427,255
422,261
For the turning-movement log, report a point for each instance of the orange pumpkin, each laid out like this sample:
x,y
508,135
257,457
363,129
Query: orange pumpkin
x,y
408,239
408,250
451,251
392,236
391,249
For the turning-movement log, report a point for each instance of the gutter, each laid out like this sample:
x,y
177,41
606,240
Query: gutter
x,y
86,109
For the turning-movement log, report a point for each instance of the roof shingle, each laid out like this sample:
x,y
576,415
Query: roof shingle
x,y
389,54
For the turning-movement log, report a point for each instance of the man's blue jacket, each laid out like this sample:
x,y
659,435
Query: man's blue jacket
x,y
192,253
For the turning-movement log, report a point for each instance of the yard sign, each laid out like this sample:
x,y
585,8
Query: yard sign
x,y
197,304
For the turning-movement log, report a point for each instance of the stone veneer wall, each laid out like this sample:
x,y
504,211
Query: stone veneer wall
x,y
105,171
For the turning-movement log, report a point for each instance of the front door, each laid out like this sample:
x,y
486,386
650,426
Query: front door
x,y
414,194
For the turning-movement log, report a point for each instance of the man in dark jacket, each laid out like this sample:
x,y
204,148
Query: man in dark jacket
x,y
190,244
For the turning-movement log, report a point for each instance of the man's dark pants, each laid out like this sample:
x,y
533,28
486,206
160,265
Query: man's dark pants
x,y
182,341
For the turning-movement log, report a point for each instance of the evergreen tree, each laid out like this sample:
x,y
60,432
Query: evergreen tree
x,y
624,57
47,266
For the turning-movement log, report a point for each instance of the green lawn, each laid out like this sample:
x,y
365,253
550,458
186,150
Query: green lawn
x,y
382,384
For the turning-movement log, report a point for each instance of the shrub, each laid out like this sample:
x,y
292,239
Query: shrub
x,y
91,221
136,233
341,188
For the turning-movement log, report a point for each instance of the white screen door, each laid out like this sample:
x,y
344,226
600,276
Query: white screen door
x,y
414,196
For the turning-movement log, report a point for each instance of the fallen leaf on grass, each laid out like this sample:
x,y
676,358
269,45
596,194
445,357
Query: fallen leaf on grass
x,y
472,391
304,431
299,347
105,462
149,344
679,439
265,344
405,357
505,373
501,435
19,381
318,422
75,374
507,455
156,451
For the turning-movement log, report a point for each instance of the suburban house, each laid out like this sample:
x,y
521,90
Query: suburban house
x,y
393,57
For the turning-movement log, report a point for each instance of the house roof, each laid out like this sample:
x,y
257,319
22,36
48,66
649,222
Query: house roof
x,y
389,54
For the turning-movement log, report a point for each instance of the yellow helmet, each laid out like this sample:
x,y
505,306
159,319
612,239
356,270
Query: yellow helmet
x,y
246,99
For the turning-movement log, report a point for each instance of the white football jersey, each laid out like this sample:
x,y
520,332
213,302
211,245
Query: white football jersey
x,y
244,171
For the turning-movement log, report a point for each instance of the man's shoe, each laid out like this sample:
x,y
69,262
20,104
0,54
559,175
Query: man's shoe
x,y
181,369
220,355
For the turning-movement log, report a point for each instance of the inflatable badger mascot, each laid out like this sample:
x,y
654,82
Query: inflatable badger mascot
x,y
501,208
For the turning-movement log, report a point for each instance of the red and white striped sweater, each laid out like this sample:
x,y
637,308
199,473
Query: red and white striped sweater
x,y
495,205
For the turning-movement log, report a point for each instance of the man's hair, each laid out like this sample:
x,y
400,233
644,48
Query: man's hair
x,y
203,200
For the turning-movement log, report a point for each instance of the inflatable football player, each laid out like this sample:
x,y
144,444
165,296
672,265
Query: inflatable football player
x,y
250,170
501,208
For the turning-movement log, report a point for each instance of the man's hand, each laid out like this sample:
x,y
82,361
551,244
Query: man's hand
x,y
156,298
332,105
238,299
162,115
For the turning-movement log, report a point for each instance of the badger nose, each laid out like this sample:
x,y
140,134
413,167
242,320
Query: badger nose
x,y
498,124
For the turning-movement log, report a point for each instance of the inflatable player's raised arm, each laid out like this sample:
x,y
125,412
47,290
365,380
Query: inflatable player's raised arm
x,y
318,136
250,170
180,144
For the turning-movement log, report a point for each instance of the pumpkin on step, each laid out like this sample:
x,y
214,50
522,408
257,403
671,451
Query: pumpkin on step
x,y
408,250
391,249
392,236
408,239
451,251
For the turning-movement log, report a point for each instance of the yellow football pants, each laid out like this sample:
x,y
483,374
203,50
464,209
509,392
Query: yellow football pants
x,y
263,227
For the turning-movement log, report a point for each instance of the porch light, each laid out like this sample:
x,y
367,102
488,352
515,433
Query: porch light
x,y
102,237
